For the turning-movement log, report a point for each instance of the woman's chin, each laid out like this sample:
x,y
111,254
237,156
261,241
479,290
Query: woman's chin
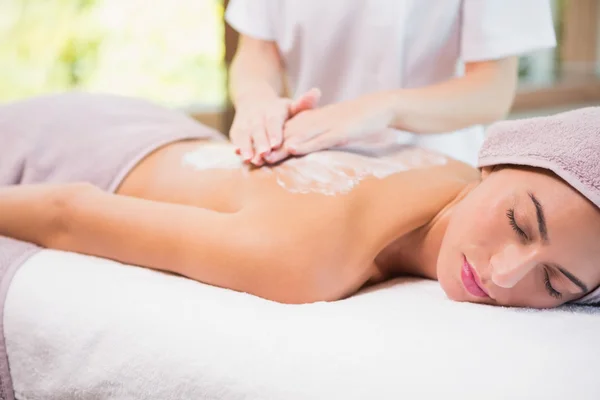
x,y
451,286
455,294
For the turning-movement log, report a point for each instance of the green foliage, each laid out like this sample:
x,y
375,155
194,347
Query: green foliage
x,y
170,51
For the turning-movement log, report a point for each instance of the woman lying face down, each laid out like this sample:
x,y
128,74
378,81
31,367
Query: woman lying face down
x,y
522,237
315,228
532,226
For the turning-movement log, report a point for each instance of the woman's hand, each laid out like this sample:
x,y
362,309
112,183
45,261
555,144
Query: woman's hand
x,y
334,125
258,127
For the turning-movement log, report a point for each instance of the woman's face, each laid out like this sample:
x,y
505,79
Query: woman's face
x,y
521,238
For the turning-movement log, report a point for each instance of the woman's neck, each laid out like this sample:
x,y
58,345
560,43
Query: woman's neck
x,y
416,253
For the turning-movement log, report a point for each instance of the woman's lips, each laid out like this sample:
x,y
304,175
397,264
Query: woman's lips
x,y
470,280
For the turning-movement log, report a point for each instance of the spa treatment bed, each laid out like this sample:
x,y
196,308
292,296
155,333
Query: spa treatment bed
x,y
80,327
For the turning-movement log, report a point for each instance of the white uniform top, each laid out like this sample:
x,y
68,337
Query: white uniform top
x,y
348,48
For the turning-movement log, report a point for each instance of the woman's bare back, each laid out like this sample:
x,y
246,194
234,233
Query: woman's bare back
x,y
354,200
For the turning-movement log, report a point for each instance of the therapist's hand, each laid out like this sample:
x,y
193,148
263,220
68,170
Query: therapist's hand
x,y
335,125
257,128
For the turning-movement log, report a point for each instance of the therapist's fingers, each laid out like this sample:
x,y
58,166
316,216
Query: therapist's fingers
x,y
281,112
241,138
304,127
274,122
327,140
307,101
260,142
277,155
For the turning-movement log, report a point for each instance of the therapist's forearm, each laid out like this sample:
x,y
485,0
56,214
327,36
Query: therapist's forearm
x,y
484,95
255,75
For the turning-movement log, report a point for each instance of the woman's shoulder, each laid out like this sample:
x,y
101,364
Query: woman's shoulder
x,y
406,200
411,172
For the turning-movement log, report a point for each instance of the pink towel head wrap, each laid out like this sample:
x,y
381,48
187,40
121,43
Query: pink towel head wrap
x,y
567,144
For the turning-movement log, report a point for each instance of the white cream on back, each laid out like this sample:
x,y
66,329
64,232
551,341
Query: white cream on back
x,y
329,172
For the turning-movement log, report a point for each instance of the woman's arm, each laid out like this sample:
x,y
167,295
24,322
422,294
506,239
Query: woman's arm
x,y
228,250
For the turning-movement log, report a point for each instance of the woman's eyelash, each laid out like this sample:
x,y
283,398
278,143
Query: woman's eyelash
x,y
551,291
513,223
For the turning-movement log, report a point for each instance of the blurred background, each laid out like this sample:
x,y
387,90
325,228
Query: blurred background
x,y
176,52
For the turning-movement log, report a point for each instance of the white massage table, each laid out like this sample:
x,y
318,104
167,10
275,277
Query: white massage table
x,y
79,327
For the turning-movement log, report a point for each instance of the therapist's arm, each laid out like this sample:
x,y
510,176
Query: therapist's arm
x,y
483,95
256,72
220,249
256,86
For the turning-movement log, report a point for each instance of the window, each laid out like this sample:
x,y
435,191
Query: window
x,y
577,54
169,51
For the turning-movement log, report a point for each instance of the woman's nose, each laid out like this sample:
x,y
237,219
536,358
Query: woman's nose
x,y
512,264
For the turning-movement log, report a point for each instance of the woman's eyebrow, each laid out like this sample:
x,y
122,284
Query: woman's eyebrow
x,y
541,218
573,279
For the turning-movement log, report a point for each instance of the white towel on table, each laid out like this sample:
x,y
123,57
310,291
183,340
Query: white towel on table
x,y
80,327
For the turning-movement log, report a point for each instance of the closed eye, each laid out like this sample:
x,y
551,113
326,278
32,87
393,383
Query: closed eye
x,y
513,223
549,288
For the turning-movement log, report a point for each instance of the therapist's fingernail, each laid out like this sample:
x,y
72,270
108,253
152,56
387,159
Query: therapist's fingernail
x,y
275,144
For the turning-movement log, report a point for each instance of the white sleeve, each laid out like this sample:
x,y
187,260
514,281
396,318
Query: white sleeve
x,y
251,18
493,29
